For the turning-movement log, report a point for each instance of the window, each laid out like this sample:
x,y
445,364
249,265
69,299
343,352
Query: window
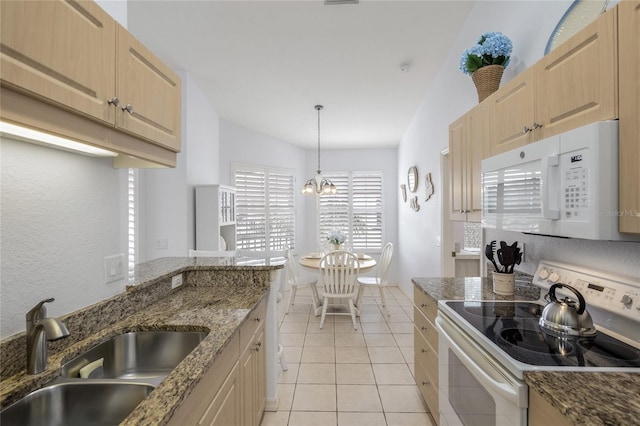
x,y
356,209
265,208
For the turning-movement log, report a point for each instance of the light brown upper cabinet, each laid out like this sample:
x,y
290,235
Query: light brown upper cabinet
x,y
73,57
62,52
512,113
468,140
575,84
629,79
149,94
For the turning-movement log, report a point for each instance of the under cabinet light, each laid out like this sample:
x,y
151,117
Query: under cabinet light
x,y
45,139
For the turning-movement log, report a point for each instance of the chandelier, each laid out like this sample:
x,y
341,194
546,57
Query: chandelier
x,y
319,185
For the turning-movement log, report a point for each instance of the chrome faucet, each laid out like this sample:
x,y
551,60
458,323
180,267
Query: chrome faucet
x,y
39,330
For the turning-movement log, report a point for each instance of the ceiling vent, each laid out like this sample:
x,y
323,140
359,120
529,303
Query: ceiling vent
x,y
332,2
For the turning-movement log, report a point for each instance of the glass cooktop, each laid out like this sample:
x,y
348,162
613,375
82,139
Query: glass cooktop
x,y
514,328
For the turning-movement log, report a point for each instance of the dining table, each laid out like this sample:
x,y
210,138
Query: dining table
x,y
312,261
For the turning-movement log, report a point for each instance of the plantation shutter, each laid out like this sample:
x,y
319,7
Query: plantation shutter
x,y
265,208
281,209
251,218
356,209
366,219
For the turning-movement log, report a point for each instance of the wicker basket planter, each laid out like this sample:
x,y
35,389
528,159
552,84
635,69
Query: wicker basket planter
x,y
487,80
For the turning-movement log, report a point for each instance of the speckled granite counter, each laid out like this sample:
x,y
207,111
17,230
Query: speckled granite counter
x,y
217,296
588,398
473,288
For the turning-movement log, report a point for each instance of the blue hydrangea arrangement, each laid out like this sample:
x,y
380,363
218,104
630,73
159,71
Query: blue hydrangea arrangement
x,y
336,236
493,48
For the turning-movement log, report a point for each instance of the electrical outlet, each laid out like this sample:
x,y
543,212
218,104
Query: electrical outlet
x,y
176,281
113,268
162,244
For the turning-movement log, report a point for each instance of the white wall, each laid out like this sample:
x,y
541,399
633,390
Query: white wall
x,y
528,24
60,215
168,209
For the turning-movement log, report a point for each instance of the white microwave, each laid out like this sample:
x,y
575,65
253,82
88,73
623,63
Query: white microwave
x,y
565,186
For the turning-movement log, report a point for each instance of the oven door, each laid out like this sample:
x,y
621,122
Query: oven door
x,y
475,390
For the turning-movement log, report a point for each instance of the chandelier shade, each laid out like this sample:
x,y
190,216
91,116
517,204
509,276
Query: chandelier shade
x,y
318,184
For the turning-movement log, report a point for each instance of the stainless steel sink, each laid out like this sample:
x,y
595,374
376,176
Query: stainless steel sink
x,y
86,403
144,356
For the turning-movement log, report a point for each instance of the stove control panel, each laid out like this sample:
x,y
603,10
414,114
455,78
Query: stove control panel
x,y
617,294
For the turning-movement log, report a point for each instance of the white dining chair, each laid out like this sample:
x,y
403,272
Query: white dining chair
x,y
296,280
339,275
212,253
380,279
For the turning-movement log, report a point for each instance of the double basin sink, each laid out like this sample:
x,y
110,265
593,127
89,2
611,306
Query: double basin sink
x,y
119,374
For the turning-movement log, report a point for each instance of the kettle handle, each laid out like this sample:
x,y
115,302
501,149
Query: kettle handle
x,y
582,305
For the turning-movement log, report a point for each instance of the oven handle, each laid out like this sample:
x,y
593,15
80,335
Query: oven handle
x,y
513,391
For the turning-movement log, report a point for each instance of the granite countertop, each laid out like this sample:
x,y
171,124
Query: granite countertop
x,y
585,398
590,399
473,288
217,297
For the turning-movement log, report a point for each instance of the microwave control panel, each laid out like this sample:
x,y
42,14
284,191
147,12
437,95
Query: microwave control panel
x,y
575,186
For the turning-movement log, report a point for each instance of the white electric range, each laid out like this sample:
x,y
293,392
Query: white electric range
x,y
486,346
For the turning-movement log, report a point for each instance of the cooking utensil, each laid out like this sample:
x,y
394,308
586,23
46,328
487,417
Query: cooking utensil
x,y
488,252
563,318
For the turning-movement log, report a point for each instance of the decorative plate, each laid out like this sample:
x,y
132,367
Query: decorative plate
x,y
580,14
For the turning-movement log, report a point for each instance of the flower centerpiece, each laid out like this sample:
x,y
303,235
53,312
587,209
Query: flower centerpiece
x,y
485,62
336,238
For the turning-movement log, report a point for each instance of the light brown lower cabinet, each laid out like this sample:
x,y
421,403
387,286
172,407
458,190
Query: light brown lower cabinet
x,y
425,343
541,413
252,376
216,392
233,390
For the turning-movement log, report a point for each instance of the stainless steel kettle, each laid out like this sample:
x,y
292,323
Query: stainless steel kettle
x,y
563,318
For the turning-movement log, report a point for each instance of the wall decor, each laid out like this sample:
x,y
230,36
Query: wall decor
x,y
428,187
414,204
412,178
403,191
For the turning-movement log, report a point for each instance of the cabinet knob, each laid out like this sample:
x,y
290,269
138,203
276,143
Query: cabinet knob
x,y
526,130
257,319
114,101
424,305
536,125
424,351
423,328
425,382
257,347
128,108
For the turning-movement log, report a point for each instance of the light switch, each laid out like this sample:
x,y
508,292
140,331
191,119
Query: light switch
x,y
113,268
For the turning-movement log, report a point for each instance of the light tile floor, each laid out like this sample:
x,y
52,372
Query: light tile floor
x,y
346,377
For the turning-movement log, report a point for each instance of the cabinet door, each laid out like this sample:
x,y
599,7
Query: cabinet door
x,y
576,83
477,140
152,89
261,376
457,157
247,379
225,407
61,52
629,44
512,113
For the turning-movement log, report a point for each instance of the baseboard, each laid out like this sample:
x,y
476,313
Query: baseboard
x,y
272,403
